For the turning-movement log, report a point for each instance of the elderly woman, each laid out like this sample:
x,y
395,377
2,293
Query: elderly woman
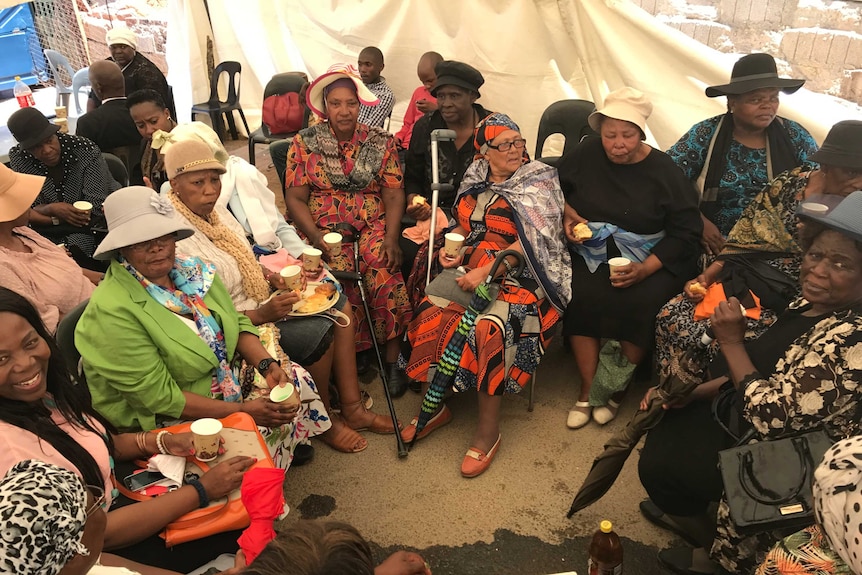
x,y
160,333
195,187
762,252
640,208
802,374
74,170
44,416
32,265
150,114
343,172
505,202
731,157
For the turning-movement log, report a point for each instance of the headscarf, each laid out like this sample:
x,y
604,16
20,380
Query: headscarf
x,y
491,127
838,499
42,518
340,83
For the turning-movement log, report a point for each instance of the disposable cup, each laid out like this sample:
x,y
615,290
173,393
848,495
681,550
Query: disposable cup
x,y
63,124
278,393
311,259
61,112
616,264
815,207
292,277
83,206
206,433
333,242
453,245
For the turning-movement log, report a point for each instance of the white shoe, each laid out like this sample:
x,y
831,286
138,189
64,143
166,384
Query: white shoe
x,y
606,413
579,415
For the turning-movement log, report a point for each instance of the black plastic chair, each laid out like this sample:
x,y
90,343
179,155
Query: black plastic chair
x,y
215,107
117,168
277,85
566,117
66,341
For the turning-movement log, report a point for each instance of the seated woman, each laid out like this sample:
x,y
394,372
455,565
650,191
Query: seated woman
x,y
505,202
150,114
831,546
762,251
44,416
74,170
195,188
731,157
32,265
342,172
641,208
801,371
159,334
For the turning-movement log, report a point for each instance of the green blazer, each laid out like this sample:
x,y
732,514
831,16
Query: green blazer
x,y
139,357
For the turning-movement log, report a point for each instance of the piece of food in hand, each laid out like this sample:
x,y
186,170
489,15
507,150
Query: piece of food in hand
x,y
582,231
419,201
697,288
326,289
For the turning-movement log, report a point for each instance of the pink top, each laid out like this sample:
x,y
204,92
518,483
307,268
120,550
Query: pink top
x,y
46,276
412,114
17,445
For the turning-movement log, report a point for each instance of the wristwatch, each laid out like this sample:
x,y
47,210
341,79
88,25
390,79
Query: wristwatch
x,y
264,364
55,221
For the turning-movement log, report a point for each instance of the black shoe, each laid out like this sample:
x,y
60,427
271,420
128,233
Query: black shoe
x,y
363,362
679,559
396,380
302,455
414,385
656,516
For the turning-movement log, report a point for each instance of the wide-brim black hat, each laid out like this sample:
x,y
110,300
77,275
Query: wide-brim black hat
x,y
30,127
754,72
842,146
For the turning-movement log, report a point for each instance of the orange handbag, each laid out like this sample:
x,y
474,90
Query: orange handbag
x,y
241,437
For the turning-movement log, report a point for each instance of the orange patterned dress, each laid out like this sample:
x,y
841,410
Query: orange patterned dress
x,y
504,348
364,210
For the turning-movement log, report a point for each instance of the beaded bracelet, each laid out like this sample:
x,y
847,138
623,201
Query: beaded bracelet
x,y
203,500
160,442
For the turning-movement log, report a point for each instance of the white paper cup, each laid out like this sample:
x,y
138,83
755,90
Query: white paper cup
x,y
61,112
311,259
292,277
815,207
452,247
63,124
278,393
617,263
206,434
333,242
83,206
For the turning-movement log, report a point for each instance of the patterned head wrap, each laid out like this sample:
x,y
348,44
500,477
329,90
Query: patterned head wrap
x,y
340,83
838,499
42,517
491,127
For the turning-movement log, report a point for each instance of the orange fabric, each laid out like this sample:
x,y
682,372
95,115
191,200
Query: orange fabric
x,y
221,515
714,296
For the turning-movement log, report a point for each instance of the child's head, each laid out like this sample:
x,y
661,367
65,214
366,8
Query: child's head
x,y
425,69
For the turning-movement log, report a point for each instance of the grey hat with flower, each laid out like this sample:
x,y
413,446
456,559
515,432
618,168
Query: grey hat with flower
x,y
138,214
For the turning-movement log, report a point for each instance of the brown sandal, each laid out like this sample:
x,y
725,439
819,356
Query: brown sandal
x,y
380,424
343,438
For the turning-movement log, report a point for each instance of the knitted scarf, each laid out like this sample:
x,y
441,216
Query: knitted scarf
x,y
254,284
349,178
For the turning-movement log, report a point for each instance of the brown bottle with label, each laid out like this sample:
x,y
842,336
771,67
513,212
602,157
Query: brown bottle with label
x,y
606,551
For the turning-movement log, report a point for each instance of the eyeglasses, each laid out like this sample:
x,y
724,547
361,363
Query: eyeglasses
x,y
161,242
519,144
98,496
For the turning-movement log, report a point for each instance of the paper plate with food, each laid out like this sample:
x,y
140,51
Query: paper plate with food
x,y
318,298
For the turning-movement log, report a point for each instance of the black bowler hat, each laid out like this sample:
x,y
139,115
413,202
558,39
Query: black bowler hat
x,y
452,73
754,72
842,147
30,127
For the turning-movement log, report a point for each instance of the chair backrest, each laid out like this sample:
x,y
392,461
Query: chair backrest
x,y
57,62
117,169
234,71
129,155
66,338
284,83
566,117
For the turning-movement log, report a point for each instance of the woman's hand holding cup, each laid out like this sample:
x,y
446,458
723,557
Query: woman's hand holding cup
x,y
448,262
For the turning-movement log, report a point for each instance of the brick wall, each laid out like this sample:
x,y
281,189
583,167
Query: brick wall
x,y
146,19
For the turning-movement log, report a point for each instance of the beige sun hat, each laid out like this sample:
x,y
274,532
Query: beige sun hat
x,y
17,192
138,214
190,156
626,104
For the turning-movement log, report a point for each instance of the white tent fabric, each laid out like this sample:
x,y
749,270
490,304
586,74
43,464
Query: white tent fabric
x,y
532,53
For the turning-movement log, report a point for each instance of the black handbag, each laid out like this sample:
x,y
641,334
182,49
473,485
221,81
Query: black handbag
x,y
767,484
